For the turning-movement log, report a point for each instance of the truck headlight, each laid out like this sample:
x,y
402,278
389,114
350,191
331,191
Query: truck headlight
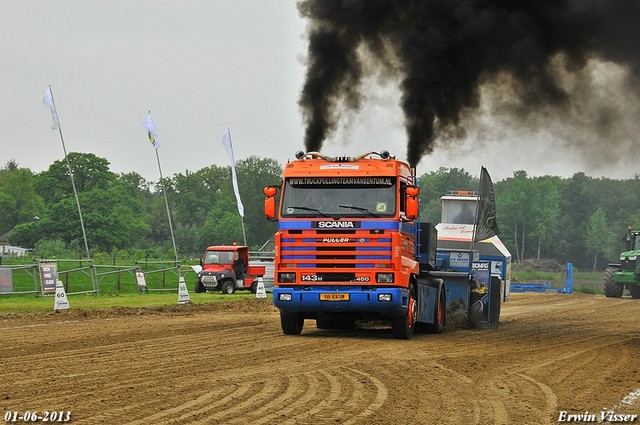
x,y
284,297
286,277
384,298
384,277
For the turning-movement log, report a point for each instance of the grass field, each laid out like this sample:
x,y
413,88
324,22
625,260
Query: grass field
x,y
585,282
30,303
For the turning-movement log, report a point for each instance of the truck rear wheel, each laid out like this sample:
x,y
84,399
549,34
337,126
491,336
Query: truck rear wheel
x,y
292,324
611,288
634,289
228,287
402,327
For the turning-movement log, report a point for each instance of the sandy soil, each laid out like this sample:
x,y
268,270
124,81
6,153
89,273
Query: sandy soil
x,y
229,363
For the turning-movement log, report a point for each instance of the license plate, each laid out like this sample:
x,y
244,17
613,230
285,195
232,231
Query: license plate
x,y
334,297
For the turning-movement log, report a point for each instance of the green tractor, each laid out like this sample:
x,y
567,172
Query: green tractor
x,y
627,272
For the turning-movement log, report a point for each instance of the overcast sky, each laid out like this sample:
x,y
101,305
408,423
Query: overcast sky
x,y
202,67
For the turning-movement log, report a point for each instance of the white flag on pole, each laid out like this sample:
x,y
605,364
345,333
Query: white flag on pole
x,y
226,142
152,132
48,100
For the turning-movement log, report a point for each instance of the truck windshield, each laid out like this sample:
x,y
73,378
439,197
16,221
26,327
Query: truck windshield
x,y
339,197
218,257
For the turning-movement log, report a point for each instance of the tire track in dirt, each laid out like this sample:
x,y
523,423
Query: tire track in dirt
x,y
520,396
212,400
341,394
551,353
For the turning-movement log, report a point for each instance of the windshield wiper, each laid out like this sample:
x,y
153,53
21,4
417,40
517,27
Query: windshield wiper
x,y
310,209
364,210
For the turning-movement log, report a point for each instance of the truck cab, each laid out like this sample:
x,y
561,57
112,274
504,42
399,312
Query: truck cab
x,y
226,268
347,245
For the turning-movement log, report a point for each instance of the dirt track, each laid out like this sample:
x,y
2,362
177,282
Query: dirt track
x,y
229,363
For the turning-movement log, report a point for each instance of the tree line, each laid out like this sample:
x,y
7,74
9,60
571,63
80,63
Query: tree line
x,y
125,215
579,219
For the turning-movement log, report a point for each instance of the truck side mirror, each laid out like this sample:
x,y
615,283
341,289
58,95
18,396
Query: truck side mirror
x,y
412,202
270,202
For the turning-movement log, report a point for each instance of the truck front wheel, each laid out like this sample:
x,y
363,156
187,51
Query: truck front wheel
x,y
292,324
199,287
228,287
402,327
611,288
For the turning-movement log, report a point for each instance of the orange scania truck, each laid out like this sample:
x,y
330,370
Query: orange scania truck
x,y
350,247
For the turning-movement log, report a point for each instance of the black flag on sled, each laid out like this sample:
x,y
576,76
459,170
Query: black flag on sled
x,y
485,223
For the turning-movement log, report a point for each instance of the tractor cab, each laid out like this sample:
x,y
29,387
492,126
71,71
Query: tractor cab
x,y
632,241
455,236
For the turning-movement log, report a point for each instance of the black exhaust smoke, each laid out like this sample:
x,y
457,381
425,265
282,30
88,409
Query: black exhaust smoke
x,y
443,51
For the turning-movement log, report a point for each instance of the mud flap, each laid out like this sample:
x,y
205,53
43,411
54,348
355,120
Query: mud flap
x,y
427,298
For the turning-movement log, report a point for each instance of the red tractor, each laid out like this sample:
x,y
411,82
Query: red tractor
x,y
226,268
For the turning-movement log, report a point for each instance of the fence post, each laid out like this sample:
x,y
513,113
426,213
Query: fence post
x,y
569,278
35,270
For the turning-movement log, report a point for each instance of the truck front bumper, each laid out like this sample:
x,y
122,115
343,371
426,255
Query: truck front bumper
x,y
342,299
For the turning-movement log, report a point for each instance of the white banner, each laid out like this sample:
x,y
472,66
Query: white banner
x,y
48,100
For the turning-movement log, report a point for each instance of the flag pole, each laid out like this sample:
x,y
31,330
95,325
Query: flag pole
x,y
477,214
166,203
73,185
150,126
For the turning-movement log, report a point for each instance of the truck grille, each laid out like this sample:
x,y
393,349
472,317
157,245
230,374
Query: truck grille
x,y
208,280
336,249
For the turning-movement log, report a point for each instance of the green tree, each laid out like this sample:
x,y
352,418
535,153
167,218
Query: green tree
x,y
598,235
89,172
113,209
10,165
222,227
254,174
514,206
52,248
158,221
192,195
19,202
547,212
